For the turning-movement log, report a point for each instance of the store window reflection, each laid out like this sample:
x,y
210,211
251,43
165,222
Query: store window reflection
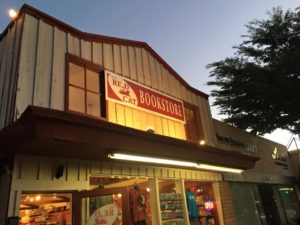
x,y
290,203
247,204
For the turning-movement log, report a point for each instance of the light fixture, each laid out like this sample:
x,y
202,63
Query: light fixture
x,y
171,162
218,168
12,13
286,189
150,130
151,160
38,198
202,142
148,189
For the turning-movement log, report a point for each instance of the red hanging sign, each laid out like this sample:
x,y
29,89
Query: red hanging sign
x,y
133,94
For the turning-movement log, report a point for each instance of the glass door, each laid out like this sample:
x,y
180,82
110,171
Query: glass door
x,y
101,207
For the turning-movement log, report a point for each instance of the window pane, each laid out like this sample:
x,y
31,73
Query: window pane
x,y
45,208
76,99
76,75
93,104
92,81
290,203
191,125
106,209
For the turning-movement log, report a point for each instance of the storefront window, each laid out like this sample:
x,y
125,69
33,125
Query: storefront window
x,y
50,208
290,204
171,202
138,199
85,89
201,203
106,209
247,204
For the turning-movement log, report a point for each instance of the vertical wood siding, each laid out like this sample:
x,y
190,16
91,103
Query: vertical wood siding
x,y
27,65
33,173
227,204
43,68
9,49
42,76
57,100
7,67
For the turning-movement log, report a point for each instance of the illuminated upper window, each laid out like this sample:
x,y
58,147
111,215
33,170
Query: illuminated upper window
x,y
193,126
85,89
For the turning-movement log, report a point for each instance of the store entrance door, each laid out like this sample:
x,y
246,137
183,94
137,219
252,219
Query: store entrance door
x,y
101,207
269,205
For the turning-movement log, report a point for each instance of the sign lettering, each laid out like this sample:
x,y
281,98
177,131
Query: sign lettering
x,y
130,93
106,215
247,147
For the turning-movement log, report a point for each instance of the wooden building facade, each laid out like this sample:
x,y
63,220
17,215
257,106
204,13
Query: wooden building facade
x,y
71,101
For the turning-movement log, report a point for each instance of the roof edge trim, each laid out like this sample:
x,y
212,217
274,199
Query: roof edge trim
x,y
96,37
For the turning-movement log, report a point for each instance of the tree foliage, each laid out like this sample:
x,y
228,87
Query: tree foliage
x,y
259,87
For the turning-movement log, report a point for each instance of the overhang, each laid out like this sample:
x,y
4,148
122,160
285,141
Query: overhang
x,y
47,132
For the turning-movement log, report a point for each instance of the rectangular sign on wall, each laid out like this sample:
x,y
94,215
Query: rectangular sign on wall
x,y
133,94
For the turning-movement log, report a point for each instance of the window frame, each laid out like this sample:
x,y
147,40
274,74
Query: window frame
x,y
199,132
87,65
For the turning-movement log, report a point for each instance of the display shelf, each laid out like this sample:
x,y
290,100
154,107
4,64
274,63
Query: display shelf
x,y
173,219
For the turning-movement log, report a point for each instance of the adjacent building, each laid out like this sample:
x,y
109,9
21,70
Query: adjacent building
x,y
101,130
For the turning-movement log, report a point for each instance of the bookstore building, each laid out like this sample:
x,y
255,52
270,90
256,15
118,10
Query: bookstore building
x,y
98,130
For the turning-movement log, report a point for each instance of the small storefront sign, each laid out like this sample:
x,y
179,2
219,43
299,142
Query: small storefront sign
x,y
247,148
133,94
209,205
280,159
105,215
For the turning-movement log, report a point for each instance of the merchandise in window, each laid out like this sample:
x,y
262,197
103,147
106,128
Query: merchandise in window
x,y
138,198
45,208
171,202
201,203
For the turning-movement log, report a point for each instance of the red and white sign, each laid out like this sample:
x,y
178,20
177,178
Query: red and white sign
x,y
105,215
133,94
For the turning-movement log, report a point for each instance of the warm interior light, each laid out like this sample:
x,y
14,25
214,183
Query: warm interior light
x,y
202,142
12,13
38,198
172,162
148,189
151,160
218,168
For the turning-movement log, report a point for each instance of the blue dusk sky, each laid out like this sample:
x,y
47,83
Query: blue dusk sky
x,y
188,35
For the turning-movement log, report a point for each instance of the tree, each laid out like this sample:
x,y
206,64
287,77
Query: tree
x,y
258,89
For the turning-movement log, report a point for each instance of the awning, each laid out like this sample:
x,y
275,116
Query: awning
x,y
48,132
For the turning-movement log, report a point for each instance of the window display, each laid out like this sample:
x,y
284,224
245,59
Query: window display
x,y
171,203
45,209
105,209
201,203
138,196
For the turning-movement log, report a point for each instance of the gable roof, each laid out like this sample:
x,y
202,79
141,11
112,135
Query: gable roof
x,y
99,38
